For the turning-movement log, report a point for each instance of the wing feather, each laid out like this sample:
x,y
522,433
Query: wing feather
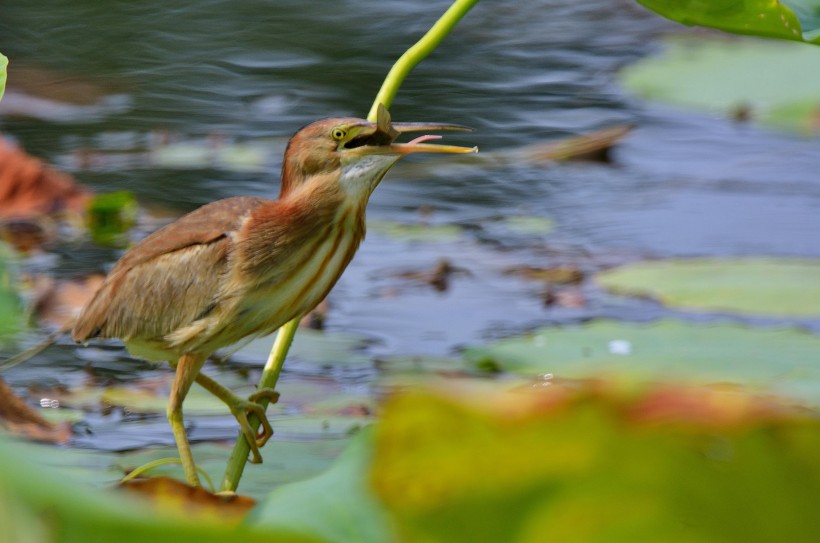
x,y
169,279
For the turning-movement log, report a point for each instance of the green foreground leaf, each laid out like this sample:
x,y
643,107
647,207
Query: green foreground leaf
x,y
4,62
754,17
780,360
41,504
592,465
337,506
771,287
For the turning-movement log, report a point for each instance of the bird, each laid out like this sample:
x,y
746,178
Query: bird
x,y
243,266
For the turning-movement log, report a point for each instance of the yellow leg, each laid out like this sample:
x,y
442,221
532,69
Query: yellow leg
x,y
241,408
187,368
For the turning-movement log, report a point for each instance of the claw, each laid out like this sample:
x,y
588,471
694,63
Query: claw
x,y
241,409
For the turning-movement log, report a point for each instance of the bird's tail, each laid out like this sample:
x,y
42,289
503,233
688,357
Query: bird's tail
x,y
34,350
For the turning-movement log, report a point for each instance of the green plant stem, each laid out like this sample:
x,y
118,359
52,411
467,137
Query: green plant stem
x,y
394,79
270,375
418,52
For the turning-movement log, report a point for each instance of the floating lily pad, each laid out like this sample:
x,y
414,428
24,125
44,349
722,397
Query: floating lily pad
x,y
777,82
784,360
284,461
416,232
778,288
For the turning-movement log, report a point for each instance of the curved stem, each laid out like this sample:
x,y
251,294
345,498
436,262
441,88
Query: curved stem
x,y
418,52
270,375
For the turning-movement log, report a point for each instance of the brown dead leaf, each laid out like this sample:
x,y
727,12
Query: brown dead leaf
x,y
170,495
438,277
20,419
30,188
556,275
592,146
571,298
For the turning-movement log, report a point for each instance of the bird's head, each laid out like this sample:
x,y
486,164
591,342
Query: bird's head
x,y
354,152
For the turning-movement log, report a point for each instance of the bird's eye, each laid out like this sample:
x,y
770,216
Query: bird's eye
x,y
338,133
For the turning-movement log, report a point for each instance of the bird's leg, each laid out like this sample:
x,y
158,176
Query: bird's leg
x,y
187,369
241,408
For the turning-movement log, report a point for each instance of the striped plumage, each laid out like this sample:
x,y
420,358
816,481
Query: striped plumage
x,y
245,266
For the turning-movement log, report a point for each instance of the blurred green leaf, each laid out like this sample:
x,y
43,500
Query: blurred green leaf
x,y
12,312
111,216
771,287
783,360
754,17
559,464
336,506
774,83
4,62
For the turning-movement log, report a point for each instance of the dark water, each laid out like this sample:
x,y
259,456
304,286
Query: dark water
x,y
215,74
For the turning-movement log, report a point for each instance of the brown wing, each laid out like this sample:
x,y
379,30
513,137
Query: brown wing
x,y
167,280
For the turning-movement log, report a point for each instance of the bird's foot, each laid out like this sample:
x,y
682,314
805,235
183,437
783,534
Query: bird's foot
x,y
242,408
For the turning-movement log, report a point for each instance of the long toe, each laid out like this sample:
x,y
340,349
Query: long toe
x,y
265,428
248,433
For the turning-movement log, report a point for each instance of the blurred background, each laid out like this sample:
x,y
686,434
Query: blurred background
x,y
185,102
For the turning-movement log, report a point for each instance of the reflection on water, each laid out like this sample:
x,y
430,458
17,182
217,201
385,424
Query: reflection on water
x,y
223,84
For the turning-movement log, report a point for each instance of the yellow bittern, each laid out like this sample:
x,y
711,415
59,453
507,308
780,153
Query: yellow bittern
x,y
245,266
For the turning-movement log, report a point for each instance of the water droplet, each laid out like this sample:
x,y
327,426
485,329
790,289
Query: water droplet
x,y
620,346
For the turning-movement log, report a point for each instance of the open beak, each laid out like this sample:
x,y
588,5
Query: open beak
x,y
384,133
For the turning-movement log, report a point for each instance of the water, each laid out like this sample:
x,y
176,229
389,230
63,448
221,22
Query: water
x,y
247,74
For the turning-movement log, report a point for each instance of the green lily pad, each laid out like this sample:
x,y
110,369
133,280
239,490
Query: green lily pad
x,y
416,232
781,360
336,506
754,17
778,82
778,288
528,224
284,461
